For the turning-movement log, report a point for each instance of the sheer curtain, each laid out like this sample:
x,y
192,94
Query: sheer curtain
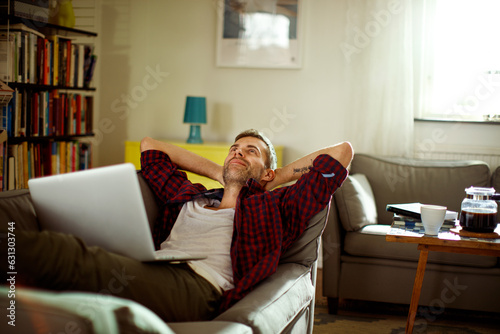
x,y
386,50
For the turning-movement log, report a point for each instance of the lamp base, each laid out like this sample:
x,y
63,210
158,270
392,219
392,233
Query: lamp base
x,y
194,135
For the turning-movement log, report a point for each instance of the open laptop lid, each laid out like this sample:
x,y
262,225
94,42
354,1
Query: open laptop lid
x,y
102,206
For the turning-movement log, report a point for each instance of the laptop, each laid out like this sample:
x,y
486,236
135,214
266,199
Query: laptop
x,y
103,207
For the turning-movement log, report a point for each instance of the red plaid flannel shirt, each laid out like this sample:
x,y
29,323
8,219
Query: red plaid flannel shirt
x,y
266,223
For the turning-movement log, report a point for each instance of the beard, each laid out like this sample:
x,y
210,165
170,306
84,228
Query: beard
x,y
239,176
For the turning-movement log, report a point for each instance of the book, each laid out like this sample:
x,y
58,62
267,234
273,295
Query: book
x,y
55,59
7,51
3,158
5,94
80,66
413,210
27,50
89,66
11,178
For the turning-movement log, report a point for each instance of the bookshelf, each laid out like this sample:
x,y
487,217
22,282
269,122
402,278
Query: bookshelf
x,y
48,123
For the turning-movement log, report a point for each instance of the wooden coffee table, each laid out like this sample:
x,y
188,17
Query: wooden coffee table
x,y
446,241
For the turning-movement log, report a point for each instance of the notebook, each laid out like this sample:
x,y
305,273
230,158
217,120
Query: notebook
x,y
413,210
103,207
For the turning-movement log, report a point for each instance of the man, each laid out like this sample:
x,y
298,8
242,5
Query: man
x,y
265,222
242,229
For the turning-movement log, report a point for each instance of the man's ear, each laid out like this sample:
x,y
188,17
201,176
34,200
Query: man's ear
x,y
268,175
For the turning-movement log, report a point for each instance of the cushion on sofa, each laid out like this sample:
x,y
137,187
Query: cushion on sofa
x,y
16,206
80,312
355,203
35,316
370,242
400,180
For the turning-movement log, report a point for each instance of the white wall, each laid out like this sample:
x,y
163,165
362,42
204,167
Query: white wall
x,y
456,140
178,38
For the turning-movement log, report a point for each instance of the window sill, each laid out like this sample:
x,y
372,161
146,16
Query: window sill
x,y
451,120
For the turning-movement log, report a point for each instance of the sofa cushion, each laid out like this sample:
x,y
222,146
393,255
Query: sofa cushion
x,y
81,312
400,180
16,206
370,242
355,203
28,315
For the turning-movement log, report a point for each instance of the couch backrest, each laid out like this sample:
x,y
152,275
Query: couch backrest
x,y
16,206
495,179
152,209
400,180
495,183
305,249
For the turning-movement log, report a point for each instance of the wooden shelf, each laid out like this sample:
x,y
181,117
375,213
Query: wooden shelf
x,y
17,140
47,87
45,27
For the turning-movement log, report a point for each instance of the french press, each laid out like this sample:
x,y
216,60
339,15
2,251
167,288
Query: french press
x,y
479,210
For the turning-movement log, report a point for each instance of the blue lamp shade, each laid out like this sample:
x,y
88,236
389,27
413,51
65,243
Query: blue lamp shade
x,y
195,114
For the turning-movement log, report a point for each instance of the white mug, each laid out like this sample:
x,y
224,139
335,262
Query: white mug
x,y
432,218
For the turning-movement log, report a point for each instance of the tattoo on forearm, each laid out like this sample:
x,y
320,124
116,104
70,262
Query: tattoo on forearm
x,y
302,170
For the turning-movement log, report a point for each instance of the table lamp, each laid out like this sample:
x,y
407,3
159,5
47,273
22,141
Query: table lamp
x,y
195,114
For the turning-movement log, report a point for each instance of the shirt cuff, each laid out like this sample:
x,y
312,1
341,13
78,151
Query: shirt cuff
x,y
329,167
153,156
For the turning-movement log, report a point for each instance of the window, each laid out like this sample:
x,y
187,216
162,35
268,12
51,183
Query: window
x,y
465,77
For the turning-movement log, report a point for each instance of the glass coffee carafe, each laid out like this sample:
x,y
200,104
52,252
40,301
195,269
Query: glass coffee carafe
x,y
479,210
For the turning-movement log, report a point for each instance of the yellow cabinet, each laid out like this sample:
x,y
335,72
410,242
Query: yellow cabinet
x,y
212,151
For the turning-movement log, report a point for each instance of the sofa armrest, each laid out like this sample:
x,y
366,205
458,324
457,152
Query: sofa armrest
x,y
276,302
332,250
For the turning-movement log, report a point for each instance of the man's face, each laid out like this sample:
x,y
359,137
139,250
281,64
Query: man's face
x,y
246,159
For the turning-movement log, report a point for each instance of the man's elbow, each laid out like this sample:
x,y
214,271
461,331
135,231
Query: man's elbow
x,y
346,153
147,144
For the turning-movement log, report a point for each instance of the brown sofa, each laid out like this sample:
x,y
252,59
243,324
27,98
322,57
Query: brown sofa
x,y
359,264
283,303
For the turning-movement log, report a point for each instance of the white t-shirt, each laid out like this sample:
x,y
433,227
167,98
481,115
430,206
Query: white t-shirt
x,y
202,231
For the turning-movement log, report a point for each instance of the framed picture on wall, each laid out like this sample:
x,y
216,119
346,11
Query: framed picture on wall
x,y
259,33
